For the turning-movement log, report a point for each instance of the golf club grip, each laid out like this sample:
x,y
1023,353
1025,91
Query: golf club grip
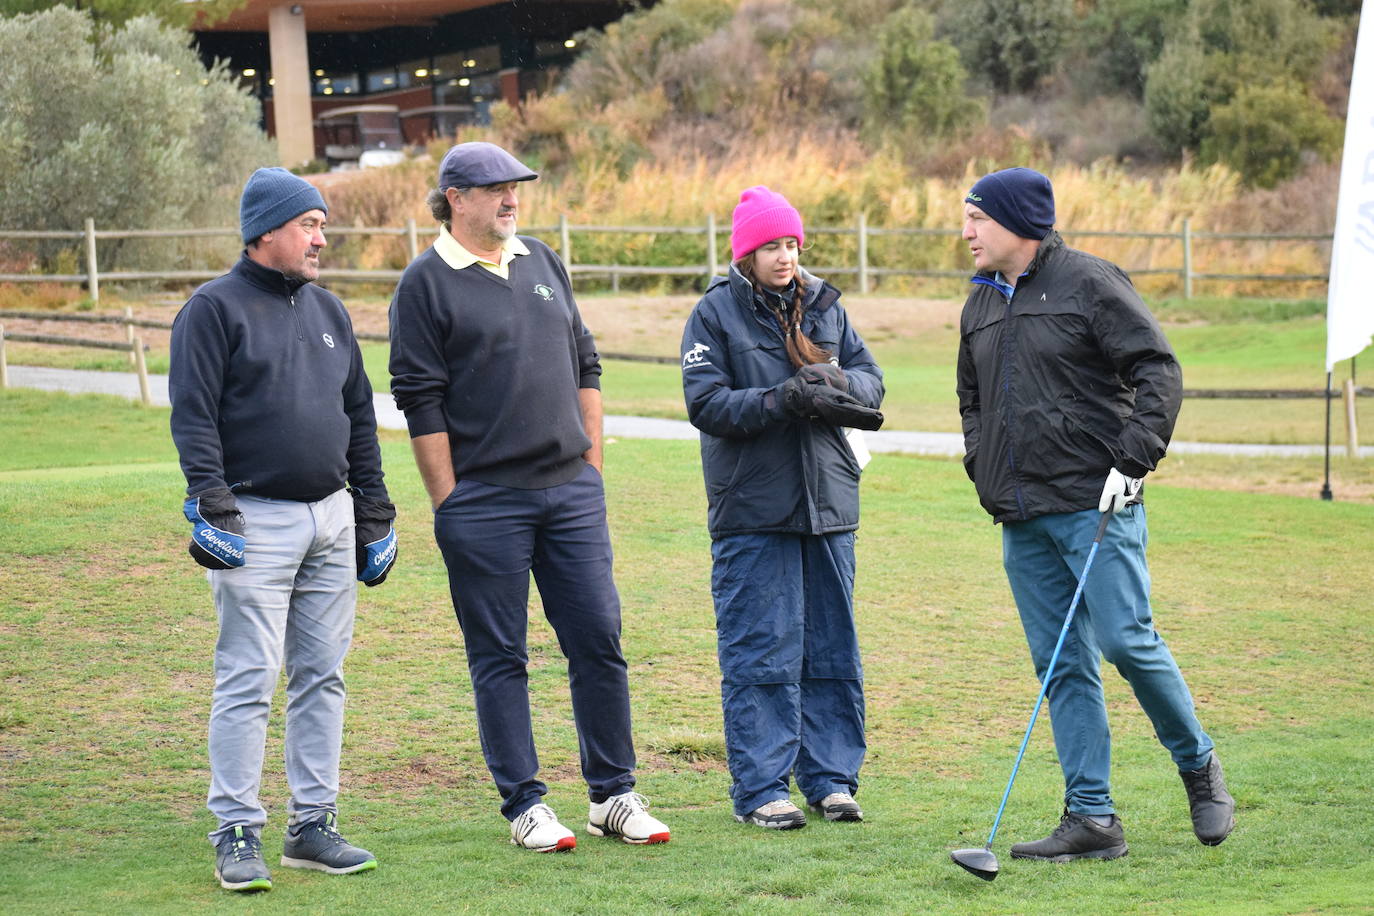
x,y
1102,527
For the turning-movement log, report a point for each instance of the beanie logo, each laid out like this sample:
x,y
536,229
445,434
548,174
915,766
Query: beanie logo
x,y
974,197
543,292
328,341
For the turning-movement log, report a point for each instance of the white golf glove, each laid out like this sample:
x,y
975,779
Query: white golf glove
x,y
1118,491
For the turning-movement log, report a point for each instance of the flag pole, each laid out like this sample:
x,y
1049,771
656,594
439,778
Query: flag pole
x,y
1326,485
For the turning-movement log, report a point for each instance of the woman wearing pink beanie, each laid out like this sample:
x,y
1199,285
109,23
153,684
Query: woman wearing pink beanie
x,y
774,376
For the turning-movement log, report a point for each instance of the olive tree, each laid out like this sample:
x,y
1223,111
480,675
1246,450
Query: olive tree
x,y
121,124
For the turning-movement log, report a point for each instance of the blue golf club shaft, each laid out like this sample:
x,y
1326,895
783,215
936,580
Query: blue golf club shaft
x,y
1049,671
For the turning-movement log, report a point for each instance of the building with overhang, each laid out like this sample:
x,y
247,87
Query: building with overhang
x,y
438,63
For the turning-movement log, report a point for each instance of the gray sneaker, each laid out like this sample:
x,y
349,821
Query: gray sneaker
x,y
317,845
839,806
1212,807
779,814
238,863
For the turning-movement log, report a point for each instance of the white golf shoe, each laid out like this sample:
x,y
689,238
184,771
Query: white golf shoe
x,y
626,816
537,828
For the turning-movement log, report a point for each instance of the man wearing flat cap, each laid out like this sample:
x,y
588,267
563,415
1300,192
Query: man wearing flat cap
x,y
273,421
499,381
1068,392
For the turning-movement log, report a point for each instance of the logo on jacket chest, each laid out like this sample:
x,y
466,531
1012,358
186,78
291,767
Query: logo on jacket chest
x,y
328,340
543,292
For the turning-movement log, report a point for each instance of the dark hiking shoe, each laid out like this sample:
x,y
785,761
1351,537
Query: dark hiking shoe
x,y
239,865
1212,807
839,806
317,845
779,814
1076,837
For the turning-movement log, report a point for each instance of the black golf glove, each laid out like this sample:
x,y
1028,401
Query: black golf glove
x,y
824,374
840,409
375,536
216,529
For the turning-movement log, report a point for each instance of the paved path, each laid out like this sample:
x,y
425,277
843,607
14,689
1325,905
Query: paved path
x,y
125,384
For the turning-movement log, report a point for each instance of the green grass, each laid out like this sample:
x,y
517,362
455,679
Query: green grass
x,y
106,633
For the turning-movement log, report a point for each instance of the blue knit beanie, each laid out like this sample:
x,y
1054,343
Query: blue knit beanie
x,y
1020,199
273,196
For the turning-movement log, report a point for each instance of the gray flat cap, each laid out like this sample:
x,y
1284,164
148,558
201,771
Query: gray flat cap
x,y
477,164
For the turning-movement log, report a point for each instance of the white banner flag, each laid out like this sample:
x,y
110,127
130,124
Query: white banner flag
x,y
1350,297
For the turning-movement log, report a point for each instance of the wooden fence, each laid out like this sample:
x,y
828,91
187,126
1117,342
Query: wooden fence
x,y
712,265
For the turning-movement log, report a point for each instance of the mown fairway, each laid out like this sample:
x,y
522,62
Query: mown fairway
x,y
106,631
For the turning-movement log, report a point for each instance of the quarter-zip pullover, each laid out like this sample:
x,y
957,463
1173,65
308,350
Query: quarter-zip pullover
x,y
269,396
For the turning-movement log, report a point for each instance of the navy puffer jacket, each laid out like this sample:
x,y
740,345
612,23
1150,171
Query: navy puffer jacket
x,y
765,470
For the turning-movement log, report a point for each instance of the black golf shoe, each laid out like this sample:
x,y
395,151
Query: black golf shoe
x,y
238,863
317,845
1076,837
1212,807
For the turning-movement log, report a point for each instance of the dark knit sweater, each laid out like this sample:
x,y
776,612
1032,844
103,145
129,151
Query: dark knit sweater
x,y
496,364
269,396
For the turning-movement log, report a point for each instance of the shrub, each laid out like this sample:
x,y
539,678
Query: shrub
x,y
1264,131
123,125
1015,43
916,83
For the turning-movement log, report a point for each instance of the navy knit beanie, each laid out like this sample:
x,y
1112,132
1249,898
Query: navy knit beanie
x,y
1020,199
273,196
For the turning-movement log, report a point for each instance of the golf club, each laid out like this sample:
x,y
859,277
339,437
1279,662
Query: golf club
x,y
980,861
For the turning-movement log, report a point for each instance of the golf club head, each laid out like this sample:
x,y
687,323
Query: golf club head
x,y
977,861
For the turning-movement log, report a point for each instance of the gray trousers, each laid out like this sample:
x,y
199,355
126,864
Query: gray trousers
x,y
293,600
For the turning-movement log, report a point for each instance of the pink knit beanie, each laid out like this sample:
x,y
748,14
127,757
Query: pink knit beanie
x,y
760,217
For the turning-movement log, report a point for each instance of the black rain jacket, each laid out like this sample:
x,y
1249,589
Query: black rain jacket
x,y
767,472
1058,383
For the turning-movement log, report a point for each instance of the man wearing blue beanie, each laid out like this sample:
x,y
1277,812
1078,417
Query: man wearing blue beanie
x,y
1068,392
273,421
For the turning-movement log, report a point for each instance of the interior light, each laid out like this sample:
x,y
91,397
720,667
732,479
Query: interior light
x,y
570,43
469,63
271,81
249,71
422,72
326,81
465,82
328,90
347,90
319,73
387,81
477,98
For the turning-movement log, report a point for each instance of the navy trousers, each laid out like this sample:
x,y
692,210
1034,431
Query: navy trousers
x,y
791,678
492,538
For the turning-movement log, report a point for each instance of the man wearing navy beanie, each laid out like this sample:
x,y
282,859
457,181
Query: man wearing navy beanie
x,y
1068,392
273,422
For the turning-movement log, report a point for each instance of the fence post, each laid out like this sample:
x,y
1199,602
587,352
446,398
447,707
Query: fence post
x,y
4,363
412,239
565,241
92,275
1187,258
712,267
129,332
863,251
1352,435
141,364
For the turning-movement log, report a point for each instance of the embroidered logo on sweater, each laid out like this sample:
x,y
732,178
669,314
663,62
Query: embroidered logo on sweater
x,y
543,291
328,340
